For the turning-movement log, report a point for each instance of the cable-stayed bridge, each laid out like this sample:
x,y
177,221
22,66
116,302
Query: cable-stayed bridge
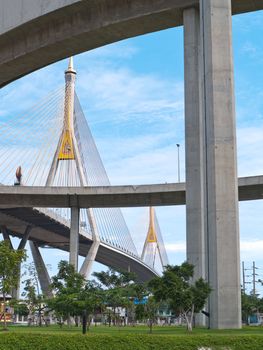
x,y
52,146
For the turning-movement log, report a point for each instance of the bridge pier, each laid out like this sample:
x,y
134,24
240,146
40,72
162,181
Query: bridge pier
x,y
221,209
22,244
74,237
211,177
6,236
91,256
89,259
194,156
215,215
42,272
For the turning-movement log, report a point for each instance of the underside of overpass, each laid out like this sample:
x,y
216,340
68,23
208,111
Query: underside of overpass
x,y
36,33
47,231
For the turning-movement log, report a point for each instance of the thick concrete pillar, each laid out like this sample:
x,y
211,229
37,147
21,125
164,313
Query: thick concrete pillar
x,y
91,256
25,237
42,272
194,144
74,238
89,260
6,236
15,291
220,164
22,244
194,157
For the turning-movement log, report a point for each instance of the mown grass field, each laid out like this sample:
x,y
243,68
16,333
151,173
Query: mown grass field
x,y
129,338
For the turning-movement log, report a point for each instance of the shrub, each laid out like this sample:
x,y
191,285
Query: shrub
x,y
40,341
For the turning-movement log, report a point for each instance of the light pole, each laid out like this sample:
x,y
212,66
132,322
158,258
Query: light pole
x,y
178,160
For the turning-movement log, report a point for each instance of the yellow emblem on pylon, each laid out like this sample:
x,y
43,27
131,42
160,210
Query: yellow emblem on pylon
x,y
66,150
151,236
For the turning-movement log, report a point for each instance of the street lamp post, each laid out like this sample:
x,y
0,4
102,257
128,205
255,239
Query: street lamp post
x,y
178,160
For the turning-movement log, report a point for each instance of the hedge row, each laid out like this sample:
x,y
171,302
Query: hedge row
x,y
40,341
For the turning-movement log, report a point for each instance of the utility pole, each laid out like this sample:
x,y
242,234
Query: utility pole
x,y
244,279
254,274
245,282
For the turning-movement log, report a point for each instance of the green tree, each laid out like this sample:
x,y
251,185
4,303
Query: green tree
x,y
20,308
183,296
147,307
90,300
117,291
250,305
9,271
66,286
74,296
151,308
35,301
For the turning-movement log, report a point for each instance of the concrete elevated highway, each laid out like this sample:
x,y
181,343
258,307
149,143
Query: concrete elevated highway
x,y
35,33
49,230
17,212
249,188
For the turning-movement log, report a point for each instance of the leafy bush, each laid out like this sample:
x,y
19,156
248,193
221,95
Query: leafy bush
x,y
40,341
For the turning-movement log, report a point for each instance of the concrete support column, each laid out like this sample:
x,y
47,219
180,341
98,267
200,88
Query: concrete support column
x,y
89,260
194,144
6,236
25,237
22,244
220,164
74,237
42,272
194,156
91,256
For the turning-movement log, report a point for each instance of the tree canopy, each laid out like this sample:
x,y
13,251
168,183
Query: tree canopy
x,y
10,260
74,296
183,295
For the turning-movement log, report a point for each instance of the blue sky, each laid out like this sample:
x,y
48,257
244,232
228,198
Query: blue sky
x,y
132,93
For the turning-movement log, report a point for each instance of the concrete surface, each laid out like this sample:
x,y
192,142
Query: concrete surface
x,y
250,188
35,33
220,164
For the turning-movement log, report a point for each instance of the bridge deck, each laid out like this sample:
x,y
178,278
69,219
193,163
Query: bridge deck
x,y
250,188
48,231
16,213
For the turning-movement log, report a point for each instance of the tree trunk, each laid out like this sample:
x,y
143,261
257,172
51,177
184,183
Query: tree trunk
x,y
192,316
39,318
189,319
151,326
84,322
89,323
4,302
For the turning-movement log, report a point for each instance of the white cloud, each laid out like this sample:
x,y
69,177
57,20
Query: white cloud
x,y
252,245
176,247
126,96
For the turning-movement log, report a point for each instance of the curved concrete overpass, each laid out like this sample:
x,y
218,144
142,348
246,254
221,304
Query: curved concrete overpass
x,y
16,213
51,231
35,33
249,188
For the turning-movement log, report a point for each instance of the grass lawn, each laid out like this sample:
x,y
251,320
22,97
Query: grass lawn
x,y
157,330
129,338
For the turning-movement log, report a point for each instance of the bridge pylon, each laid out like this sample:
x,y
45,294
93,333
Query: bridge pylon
x,y
153,245
68,157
